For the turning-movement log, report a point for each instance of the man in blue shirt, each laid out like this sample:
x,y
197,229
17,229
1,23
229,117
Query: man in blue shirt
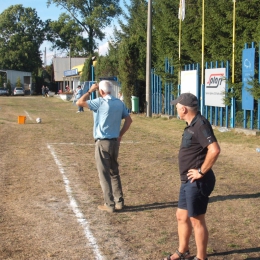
x,y
79,93
108,112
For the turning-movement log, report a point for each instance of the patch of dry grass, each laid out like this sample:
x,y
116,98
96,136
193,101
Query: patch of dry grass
x,y
147,228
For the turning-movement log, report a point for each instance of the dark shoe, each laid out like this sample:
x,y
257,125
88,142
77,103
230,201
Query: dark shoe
x,y
106,208
182,256
196,258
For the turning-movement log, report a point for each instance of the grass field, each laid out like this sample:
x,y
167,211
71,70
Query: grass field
x,y
50,188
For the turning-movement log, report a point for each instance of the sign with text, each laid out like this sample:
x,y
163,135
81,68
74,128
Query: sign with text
x,y
248,64
215,85
68,73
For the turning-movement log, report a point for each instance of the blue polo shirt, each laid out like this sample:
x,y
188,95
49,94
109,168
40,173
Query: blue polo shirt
x,y
108,112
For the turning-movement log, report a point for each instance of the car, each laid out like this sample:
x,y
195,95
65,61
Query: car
x,y
18,91
4,92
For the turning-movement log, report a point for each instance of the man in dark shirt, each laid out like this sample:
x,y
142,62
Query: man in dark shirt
x,y
198,152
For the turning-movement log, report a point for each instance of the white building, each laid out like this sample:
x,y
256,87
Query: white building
x,y
25,78
66,64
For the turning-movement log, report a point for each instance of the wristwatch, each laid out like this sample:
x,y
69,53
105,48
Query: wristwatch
x,y
200,172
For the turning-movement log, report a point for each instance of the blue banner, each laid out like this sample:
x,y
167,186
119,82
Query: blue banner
x,y
68,73
248,73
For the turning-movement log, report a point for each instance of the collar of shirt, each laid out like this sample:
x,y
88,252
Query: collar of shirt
x,y
194,120
108,96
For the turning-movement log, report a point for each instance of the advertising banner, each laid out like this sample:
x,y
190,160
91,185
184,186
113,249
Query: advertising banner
x,y
215,86
248,65
189,82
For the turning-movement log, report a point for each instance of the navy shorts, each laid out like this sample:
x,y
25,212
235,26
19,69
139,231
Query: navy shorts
x,y
194,197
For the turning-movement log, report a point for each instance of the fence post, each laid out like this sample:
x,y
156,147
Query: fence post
x,y
258,111
152,82
227,73
252,111
232,111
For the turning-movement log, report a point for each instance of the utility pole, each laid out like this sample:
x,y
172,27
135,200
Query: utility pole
x,y
202,90
148,60
45,57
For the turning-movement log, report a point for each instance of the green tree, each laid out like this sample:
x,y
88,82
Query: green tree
x,y
22,33
92,15
131,44
107,66
9,86
165,32
1,82
18,82
218,31
86,72
66,34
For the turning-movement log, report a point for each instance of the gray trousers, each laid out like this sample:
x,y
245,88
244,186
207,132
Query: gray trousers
x,y
106,155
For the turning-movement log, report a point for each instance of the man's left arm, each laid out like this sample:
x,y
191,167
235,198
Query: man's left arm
x,y
211,157
126,125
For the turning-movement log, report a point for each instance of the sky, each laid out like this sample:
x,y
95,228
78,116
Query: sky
x,y
52,12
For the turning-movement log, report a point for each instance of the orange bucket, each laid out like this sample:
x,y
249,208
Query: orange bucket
x,y
21,119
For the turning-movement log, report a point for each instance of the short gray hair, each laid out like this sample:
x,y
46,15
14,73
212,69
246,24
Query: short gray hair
x,y
193,109
106,86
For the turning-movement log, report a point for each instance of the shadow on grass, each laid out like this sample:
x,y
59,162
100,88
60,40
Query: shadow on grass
x,y
233,197
156,205
240,251
174,204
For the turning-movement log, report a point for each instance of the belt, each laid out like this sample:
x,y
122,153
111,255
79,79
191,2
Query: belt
x,y
108,139
183,182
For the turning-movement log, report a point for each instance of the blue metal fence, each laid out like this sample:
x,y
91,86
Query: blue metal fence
x,y
218,116
161,97
168,90
156,103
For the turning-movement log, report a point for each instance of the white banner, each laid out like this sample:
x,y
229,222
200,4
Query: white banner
x,y
189,82
215,86
181,14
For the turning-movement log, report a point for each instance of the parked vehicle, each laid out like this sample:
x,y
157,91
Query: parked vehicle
x,y
4,92
18,91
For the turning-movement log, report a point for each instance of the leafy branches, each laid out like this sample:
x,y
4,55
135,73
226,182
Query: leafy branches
x,y
91,16
234,90
22,33
255,89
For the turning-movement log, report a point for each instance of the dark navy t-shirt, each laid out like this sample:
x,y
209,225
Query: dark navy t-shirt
x,y
195,140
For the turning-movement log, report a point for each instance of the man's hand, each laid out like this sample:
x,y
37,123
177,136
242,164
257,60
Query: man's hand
x,y
82,101
193,174
93,87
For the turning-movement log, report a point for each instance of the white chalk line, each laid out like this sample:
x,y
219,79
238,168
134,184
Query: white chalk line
x,y
27,114
79,215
